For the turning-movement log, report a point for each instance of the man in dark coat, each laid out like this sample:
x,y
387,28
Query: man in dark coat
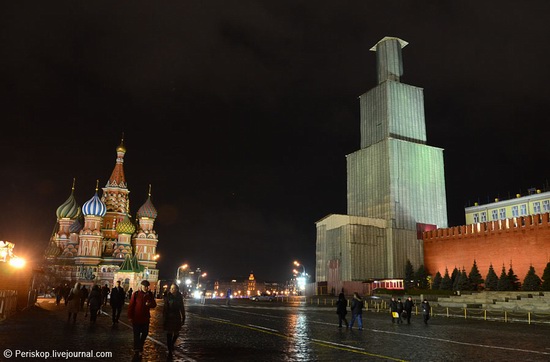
x,y
399,310
426,310
117,301
341,310
138,313
409,304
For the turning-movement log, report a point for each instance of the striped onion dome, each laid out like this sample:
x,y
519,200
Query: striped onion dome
x,y
147,209
69,209
126,226
94,207
76,226
52,250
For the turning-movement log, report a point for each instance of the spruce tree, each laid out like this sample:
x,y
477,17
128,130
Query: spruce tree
x,y
454,278
446,282
532,281
491,281
421,277
463,281
546,278
475,277
437,281
503,282
409,275
513,278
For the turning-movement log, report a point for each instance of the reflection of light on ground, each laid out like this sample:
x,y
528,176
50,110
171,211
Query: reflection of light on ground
x,y
298,346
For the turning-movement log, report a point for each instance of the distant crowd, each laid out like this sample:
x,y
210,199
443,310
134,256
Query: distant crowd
x,y
399,311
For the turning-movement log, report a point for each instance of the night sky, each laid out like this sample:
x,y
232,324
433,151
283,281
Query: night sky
x,y
240,113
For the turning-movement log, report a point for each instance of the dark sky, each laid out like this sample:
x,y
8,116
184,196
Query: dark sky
x,y
240,113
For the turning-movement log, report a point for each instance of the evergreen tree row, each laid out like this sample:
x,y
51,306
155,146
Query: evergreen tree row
x,y
460,280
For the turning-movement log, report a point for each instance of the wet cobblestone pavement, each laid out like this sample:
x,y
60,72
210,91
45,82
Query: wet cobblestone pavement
x,y
252,331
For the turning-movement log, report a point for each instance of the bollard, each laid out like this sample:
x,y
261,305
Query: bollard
x,y
529,317
447,312
505,316
485,314
464,313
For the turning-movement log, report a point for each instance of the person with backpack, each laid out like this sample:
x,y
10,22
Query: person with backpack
x,y
138,313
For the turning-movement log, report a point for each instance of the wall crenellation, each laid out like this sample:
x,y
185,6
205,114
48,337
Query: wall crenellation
x,y
490,227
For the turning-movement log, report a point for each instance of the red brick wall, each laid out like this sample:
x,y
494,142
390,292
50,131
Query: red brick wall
x,y
522,241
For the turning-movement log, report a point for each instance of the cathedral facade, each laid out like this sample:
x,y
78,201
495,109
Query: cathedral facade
x,y
99,243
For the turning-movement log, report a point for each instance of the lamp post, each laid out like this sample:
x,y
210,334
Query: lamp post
x,y
198,279
184,266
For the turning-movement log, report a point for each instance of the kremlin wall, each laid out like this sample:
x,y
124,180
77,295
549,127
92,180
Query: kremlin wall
x,y
520,241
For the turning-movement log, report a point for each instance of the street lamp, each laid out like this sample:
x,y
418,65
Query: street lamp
x,y
184,266
298,264
198,279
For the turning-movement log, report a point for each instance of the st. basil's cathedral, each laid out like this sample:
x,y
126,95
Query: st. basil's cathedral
x,y
99,243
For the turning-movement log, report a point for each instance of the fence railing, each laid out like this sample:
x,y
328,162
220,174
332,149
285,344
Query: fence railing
x,y
437,311
8,303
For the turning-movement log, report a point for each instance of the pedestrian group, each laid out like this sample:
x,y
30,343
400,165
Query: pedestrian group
x,y
79,298
399,311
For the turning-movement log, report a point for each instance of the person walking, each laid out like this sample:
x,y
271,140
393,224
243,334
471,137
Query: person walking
x,y
105,294
65,292
73,302
409,304
130,292
138,313
173,316
117,301
95,300
393,309
83,296
399,310
228,297
356,311
341,310
426,309
58,293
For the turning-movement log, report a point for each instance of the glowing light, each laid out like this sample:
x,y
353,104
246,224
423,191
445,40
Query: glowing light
x,y
17,262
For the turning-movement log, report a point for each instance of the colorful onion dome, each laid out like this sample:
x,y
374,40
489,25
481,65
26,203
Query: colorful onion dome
x,y
76,226
147,209
52,250
69,209
94,206
126,226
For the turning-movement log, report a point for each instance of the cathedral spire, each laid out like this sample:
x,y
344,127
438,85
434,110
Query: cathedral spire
x,y
117,178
